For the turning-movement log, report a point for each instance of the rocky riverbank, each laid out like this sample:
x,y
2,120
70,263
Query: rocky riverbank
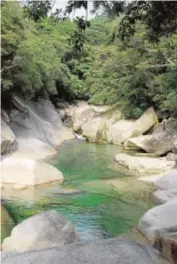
x,y
152,156
34,130
31,131
46,237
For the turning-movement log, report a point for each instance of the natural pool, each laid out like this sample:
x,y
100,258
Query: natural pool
x,y
100,202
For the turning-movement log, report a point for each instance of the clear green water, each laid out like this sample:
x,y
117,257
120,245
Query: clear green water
x,y
100,202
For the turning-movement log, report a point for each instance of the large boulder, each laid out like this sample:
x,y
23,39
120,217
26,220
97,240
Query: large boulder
x,y
99,129
138,143
90,129
162,218
163,196
107,251
28,172
172,156
117,130
44,230
174,148
144,165
141,125
83,113
8,139
161,141
33,148
7,223
168,182
166,243
39,120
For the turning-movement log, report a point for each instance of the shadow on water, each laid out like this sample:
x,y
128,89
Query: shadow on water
x,y
99,201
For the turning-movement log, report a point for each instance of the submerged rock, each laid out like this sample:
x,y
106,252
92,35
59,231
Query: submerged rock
x,y
7,222
28,172
107,251
44,230
144,165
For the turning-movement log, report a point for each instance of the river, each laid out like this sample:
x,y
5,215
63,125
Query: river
x,y
102,203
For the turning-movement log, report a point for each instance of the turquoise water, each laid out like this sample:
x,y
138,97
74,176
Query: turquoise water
x,y
99,201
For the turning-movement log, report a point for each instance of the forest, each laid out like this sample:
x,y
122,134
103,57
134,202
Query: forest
x,y
118,57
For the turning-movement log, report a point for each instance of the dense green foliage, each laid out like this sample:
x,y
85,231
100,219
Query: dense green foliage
x,y
38,9
63,59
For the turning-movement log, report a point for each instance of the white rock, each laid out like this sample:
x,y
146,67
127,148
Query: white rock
x,y
91,128
7,138
99,129
138,143
164,196
106,251
28,172
37,120
118,130
82,113
44,230
168,182
161,141
161,218
32,148
144,165
142,125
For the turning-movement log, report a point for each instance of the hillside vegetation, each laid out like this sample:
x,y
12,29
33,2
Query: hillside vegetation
x,y
40,58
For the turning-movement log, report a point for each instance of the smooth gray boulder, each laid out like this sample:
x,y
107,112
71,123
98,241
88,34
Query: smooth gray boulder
x,y
44,230
99,128
144,165
33,148
8,139
164,196
82,115
162,218
166,243
38,120
108,251
168,182
141,125
172,156
117,131
161,141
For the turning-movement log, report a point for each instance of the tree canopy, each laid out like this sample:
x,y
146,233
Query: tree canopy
x,y
126,55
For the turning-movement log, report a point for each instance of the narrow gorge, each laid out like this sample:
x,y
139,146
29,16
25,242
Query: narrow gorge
x,y
104,187
88,132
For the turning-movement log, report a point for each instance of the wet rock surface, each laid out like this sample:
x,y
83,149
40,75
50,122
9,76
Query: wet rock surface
x,y
113,251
